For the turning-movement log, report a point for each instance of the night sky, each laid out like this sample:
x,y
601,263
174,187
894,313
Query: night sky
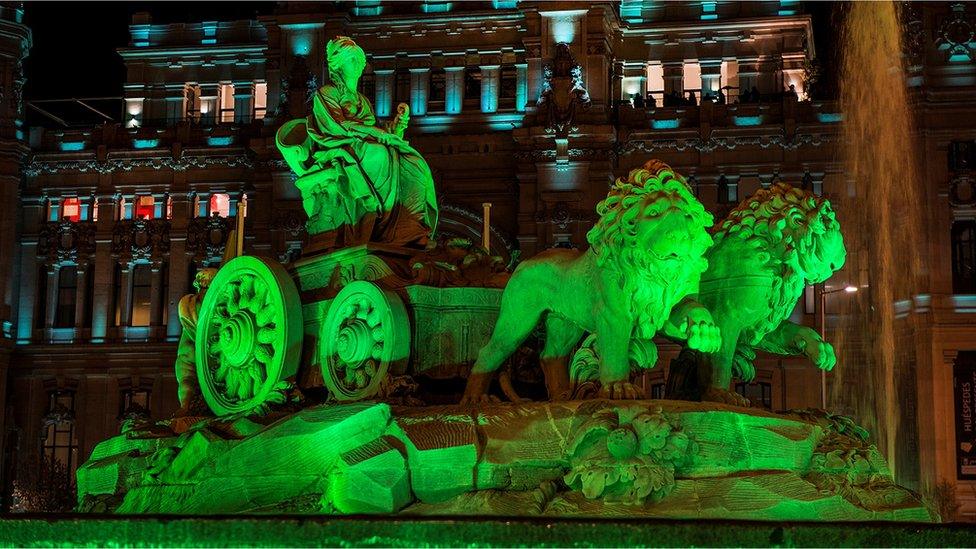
x,y
74,42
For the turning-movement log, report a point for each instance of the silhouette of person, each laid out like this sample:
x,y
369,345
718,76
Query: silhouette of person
x,y
692,100
638,100
755,95
651,102
792,92
720,98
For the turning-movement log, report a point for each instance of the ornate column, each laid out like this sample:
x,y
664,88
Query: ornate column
x,y
384,92
490,76
453,89
419,86
521,86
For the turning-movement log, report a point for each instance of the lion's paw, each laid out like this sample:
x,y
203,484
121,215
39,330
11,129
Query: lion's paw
x,y
621,390
724,396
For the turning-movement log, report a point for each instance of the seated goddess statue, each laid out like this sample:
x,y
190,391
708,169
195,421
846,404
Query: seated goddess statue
x,y
359,182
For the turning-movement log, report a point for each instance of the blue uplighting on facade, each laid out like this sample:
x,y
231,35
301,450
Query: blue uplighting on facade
x,y
747,120
72,145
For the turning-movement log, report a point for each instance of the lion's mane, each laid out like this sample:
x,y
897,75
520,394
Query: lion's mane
x,y
645,197
782,218
647,194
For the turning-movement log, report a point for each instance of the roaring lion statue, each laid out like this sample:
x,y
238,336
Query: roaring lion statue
x,y
767,249
645,259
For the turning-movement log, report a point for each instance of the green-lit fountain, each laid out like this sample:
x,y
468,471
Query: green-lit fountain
x,y
298,403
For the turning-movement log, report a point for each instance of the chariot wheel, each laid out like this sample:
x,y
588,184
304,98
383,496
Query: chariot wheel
x,y
365,334
249,334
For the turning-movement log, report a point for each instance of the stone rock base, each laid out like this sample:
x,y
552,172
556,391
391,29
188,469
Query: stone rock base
x,y
648,459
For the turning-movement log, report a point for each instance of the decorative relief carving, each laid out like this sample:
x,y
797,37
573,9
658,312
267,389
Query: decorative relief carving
x,y
956,35
561,215
140,239
562,92
206,237
65,240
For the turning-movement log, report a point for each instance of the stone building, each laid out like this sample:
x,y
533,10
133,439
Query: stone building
x,y
533,107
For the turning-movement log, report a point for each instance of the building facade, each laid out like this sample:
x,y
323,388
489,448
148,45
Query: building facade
x,y
531,107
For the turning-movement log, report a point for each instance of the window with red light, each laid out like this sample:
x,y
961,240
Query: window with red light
x,y
71,209
220,205
145,207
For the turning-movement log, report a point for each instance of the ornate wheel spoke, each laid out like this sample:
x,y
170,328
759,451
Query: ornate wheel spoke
x,y
251,324
365,333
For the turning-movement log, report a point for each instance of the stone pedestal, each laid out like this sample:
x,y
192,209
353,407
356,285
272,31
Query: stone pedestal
x,y
639,459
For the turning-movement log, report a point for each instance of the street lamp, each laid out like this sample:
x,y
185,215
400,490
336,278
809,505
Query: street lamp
x,y
824,292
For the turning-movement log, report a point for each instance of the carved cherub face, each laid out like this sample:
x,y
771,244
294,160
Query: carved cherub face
x,y
203,279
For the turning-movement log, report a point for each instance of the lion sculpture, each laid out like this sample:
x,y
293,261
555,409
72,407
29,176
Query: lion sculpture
x,y
645,259
766,251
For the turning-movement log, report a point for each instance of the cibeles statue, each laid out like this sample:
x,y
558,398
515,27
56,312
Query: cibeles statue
x,y
189,309
766,251
360,182
637,278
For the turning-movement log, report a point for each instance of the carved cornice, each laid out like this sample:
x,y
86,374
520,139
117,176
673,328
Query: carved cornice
x,y
37,167
729,143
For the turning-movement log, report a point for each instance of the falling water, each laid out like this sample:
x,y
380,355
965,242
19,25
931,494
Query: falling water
x,y
881,218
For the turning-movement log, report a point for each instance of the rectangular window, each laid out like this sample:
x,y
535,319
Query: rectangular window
x,y
71,209
437,90
962,155
757,392
225,100
141,294
472,86
145,207
402,86
134,401
208,110
964,257
219,205
261,100
60,447
64,314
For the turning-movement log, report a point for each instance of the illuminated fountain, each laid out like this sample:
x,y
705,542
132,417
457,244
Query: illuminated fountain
x,y
301,400
883,224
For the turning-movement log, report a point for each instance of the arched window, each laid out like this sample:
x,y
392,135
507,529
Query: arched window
x,y
71,209
964,257
219,205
